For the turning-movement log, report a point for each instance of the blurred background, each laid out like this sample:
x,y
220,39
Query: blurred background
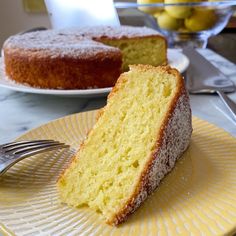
x,y
20,15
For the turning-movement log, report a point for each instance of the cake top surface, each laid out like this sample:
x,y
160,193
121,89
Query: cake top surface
x,y
53,43
116,32
74,42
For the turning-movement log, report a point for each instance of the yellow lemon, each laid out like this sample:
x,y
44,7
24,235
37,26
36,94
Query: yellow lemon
x,y
179,12
201,19
149,10
165,21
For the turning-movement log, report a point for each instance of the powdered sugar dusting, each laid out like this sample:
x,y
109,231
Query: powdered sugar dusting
x,y
117,32
77,42
175,141
55,44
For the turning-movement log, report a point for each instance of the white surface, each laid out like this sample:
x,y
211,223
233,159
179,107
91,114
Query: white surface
x,y
79,13
20,112
176,59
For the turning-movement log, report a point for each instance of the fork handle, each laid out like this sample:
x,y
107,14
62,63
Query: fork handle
x,y
231,105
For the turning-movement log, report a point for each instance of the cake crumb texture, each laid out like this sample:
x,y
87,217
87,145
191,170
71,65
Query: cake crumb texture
x,y
144,128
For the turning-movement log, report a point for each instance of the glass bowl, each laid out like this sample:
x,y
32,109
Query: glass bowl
x,y
186,23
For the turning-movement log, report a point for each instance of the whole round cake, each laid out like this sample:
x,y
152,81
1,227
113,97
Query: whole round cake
x,y
82,58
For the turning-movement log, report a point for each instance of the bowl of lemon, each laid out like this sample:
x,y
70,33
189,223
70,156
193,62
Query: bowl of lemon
x,y
186,22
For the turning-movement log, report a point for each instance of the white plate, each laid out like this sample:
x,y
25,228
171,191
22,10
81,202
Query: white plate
x,y
175,59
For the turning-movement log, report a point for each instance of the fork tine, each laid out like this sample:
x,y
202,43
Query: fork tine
x,y
41,150
18,157
15,145
22,150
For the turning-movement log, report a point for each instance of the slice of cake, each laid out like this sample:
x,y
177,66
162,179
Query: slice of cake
x,y
141,132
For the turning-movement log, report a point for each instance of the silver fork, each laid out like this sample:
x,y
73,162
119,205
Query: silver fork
x,y
11,153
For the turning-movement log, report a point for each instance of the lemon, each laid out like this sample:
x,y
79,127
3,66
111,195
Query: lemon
x,y
179,12
201,19
165,21
157,14
149,10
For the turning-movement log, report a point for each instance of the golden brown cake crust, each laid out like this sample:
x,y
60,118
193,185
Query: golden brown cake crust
x,y
49,68
177,122
63,73
68,59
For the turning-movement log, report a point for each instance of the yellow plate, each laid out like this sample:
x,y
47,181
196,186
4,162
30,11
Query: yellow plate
x,y
197,198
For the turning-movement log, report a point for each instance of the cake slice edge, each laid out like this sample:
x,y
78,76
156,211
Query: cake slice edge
x,y
163,159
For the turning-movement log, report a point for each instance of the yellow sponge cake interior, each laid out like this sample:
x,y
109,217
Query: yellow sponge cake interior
x,y
146,50
108,171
